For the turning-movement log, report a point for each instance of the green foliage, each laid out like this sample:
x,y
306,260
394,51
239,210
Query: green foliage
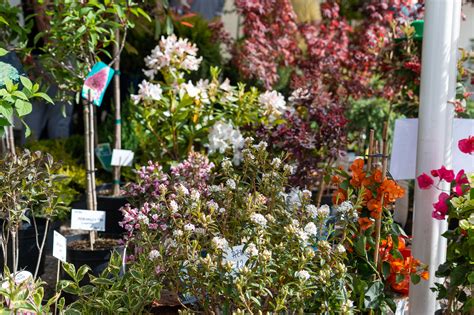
x,y
113,292
13,36
80,35
458,270
23,296
15,100
366,114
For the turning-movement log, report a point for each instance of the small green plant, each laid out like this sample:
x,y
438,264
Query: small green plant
x,y
113,292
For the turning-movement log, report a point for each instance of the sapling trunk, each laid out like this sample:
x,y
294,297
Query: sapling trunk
x,y
89,154
14,249
41,248
10,140
118,116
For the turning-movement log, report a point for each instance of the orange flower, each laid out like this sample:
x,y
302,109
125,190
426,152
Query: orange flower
x,y
391,191
336,179
358,174
397,265
425,275
377,176
365,223
357,165
339,196
375,208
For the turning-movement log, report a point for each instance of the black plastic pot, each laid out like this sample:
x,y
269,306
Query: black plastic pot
x,y
111,205
97,260
28,251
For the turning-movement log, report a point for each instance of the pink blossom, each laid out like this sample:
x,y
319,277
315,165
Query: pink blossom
x,y
441,207
461,180
466,145
424,181
445,174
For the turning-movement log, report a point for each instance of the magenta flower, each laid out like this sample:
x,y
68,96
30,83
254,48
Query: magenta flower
x,y
466,145
441,207
424,181
461,180
445,174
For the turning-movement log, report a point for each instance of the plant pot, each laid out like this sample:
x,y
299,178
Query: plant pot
x,y
28,251
96,259
111,205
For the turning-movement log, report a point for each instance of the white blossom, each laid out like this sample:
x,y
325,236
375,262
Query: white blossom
x,y
311,229
340,249
222,136
173,206
231,184
219,242
273,103
178,233
154,254
189,227
303,275
147,92
251,250
258,219
195,195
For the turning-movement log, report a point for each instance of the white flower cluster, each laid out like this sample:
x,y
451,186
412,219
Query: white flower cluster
x,y
346,211
318,213
147,92
296,197
251,250
222,136
302,275
172,53
219,242
198,92
258,219
154,254
273,103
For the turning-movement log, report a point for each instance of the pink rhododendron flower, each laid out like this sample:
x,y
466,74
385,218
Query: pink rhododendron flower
x,y
441,207
424,181
445,174
466,145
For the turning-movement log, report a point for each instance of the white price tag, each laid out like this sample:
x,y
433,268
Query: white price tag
x,y
88,220
59,246
237,256
122,157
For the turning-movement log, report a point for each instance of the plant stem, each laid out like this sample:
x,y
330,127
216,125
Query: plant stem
x,y
118,116
14,249
42,247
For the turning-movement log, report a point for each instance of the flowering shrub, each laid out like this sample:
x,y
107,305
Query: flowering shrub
x,y
457,205
241,241
372,196
175,116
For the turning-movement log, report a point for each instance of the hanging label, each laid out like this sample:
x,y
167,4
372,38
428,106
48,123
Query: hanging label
x,y
122,157
59,246
96,83
87,220
237,256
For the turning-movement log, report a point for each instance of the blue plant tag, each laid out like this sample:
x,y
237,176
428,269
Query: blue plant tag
x,y
97,82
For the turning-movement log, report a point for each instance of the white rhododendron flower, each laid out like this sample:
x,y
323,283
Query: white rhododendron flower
x,y
223,136
258,219
147,92
273,103
172,53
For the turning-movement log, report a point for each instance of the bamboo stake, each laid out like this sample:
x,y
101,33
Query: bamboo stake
x,y
118,117
370,150
378,221
93,136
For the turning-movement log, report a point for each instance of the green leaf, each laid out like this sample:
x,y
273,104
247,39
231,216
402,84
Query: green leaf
x,y
169,26
3,52
23,108
7,111
415,279
83,270
44,96
26,82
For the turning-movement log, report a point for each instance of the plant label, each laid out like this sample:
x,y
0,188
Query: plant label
x,y
88,220
236,256
96,83
122,157
59,246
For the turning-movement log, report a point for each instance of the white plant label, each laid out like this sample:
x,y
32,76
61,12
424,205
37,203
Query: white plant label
x,y
237,256
59,246
87,220
122,157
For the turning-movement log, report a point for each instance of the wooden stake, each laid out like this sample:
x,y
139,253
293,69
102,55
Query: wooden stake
x,y
378,221
118,117
370,150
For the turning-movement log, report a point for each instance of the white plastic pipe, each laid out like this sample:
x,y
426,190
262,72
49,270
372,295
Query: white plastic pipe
x,y
433,148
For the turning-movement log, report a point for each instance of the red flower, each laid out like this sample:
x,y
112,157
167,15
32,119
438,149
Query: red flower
x,y
461,179
447,175
424,181
466,145
441,207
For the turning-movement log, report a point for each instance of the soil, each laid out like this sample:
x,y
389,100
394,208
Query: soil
x,y
100,244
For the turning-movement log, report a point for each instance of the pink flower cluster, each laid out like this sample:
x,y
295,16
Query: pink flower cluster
x,y
145,217
460,182
194,172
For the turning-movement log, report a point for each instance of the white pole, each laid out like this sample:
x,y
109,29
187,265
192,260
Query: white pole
x,y
433,133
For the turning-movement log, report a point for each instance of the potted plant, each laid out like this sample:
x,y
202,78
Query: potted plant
x,y
83,29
